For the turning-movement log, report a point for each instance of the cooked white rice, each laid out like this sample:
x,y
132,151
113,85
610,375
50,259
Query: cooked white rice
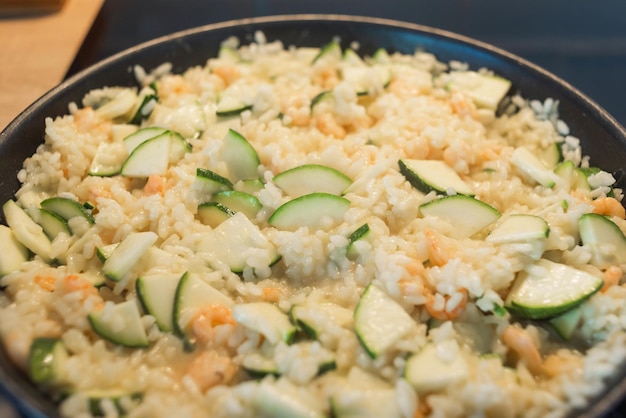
x,y
411,257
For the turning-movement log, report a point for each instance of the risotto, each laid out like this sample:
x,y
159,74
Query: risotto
x,y
312,232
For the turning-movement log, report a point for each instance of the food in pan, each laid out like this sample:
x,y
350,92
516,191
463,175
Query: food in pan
x,y
314,232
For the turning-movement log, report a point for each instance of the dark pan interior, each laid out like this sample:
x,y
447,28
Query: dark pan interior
x,y
602,138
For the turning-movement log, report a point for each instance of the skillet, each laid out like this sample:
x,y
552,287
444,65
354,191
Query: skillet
x,y
602,137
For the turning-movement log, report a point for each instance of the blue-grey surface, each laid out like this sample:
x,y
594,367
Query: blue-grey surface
x,y
581,41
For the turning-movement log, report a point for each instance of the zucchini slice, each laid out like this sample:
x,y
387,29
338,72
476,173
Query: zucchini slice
x,y
361,233
150,157
519,228
108,159
429,175
309,211
238,201
26,230
468,215
209,182
52,224
193,293
318,318
140,136
379,321
266,319
236,240
530,165
67,208
351,402
312,178
566,323
126,255
547,289
120,324
282,399
12,252
213,213
157,294
45,360
484,90
427,372
604,238
240,157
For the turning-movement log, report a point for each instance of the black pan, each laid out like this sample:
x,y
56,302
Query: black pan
x,y
602,138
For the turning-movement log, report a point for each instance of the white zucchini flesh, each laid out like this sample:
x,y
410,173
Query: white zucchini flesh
x,y
120,324
12,252
467,215
428,371
311,178
282,399
26,230
604,238
240,157
150,157
108,159
365,403
213,213
193,294
157,294
484,90
309,211
120,105
266,319
52,223
317,318
428,175
231,103
140,136
519,228
547,289
126,255
530,165
236,241
379,321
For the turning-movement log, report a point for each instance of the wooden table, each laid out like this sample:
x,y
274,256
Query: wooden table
x,y
37,49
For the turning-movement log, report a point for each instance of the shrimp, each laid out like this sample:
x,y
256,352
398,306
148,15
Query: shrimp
x,y
459,156
446,308
46,282
83,287
271,294
298,110
207,318
327,124
520,341
154,185
228,73
210,369
436,254
174,84
326,77
562,362
609,206
611,277
462,106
